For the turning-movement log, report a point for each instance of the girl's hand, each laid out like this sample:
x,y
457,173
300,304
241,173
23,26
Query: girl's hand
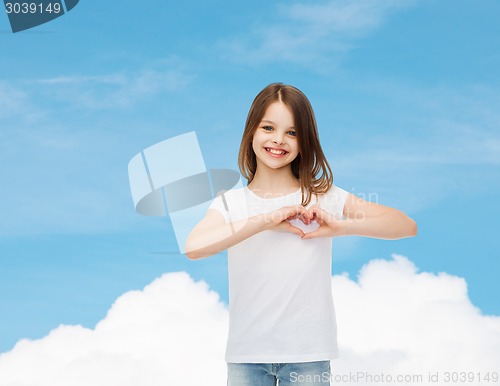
x,y
279,219
329,226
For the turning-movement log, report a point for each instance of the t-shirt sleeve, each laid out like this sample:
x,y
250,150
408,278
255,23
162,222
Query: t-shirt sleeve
x,y
334,201
220,205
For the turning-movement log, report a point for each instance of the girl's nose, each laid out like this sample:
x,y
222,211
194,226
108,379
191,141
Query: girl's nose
x,y
278,139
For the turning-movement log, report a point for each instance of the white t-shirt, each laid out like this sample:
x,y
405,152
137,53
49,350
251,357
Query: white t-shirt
x,y
280,296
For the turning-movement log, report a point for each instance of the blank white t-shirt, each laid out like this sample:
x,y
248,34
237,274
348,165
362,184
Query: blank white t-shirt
x,y
280,296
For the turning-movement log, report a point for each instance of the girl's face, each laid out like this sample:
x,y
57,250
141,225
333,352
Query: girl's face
x,y
274,141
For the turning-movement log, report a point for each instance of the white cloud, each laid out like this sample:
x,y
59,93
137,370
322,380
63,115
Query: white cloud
x,y
15,102
398,321
119,89
10,99
115,90
345,16
171,333
305,33
392,320
58,144
118,79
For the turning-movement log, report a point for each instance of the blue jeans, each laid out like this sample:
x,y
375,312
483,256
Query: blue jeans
x,y
288,374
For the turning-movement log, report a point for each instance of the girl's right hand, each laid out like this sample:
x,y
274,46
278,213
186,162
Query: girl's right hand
x,y
278,220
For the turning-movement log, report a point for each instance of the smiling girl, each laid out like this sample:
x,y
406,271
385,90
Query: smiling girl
x,y
278,231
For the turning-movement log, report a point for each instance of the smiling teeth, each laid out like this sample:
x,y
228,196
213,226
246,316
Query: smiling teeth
x,y
277,152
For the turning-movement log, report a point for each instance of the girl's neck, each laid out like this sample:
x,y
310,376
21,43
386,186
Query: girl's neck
x,y
278,182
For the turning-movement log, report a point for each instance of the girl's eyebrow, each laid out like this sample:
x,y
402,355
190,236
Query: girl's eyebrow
x,y
272,123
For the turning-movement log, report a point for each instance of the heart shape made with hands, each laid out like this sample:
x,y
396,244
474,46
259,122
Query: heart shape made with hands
x,y
306,228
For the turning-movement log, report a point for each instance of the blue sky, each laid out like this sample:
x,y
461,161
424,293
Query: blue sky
x,y
405,94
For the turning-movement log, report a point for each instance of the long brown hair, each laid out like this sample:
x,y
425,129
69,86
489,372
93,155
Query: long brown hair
x,y
310,166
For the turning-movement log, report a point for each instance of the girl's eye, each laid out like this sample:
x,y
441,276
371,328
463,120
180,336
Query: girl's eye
x,y
292,133
267,128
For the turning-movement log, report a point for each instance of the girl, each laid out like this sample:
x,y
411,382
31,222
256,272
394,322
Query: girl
x,y
278,231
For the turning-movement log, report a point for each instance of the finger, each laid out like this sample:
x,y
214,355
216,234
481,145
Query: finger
x,y
306,214
296,230
313,211
285,226
311,235
321,214
294,211
298,211
305,219
314,207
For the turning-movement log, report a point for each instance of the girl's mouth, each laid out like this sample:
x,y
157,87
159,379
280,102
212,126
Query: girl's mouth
x,y
275,152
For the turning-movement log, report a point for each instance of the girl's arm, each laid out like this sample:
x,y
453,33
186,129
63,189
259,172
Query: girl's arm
x,y
363,218
213,235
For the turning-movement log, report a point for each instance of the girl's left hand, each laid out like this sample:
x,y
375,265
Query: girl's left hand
x,y
329,226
